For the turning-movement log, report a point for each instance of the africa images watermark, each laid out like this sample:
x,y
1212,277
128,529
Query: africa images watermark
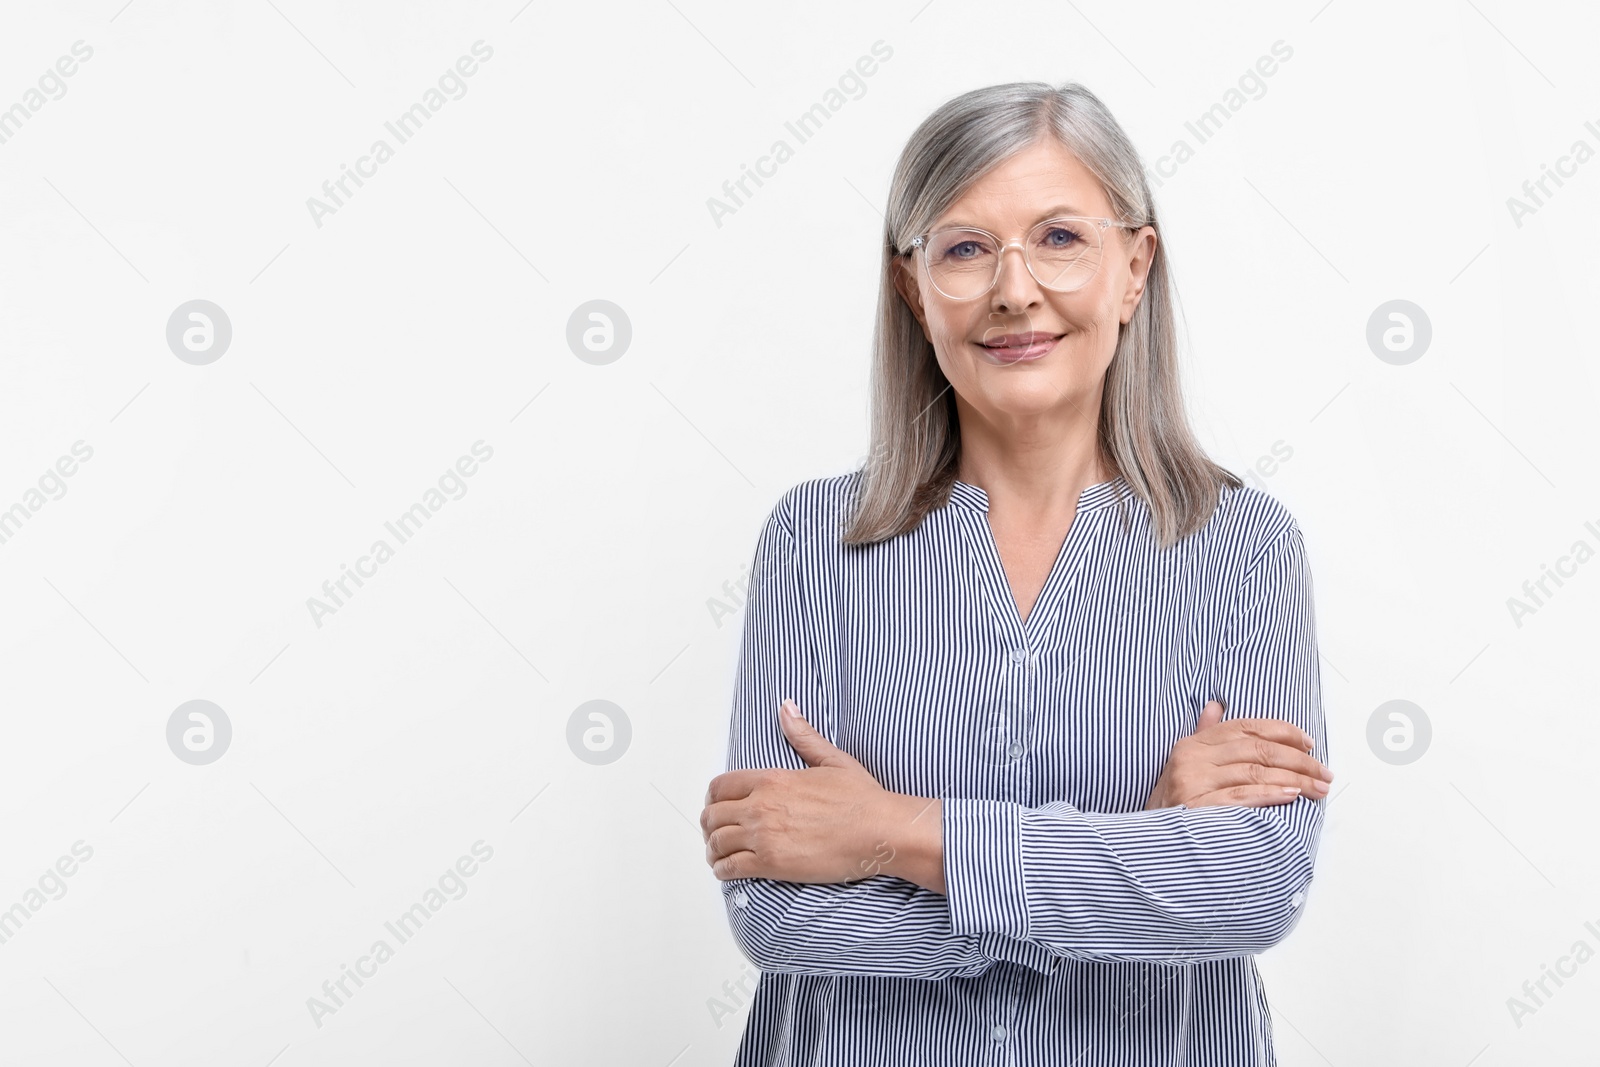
x,y
1210,121
404,527
735,997
1566,566
51,82
1566,167
404,928
802,129
1268,464
1536,992
736,591
52,486
52,886
402,129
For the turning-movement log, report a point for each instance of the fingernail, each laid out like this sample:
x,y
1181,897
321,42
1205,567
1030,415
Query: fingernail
x,y
1291,789
787,707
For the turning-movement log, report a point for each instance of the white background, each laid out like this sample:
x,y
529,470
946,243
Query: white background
x,y
430,311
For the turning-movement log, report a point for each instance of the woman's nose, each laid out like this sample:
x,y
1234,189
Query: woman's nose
x,y
1015,287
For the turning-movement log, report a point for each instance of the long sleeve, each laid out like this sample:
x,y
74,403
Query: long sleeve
x,y
882,925
1175,885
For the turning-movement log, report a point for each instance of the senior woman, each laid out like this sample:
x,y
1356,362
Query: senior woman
x,y
1022,766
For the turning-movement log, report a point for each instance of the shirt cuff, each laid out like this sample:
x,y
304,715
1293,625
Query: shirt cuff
x,y
983,876
1028,954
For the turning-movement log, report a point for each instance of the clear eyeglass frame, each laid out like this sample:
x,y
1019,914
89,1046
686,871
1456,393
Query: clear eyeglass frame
x,y
921,241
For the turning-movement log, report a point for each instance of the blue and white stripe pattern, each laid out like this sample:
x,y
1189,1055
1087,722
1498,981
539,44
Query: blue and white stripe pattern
x,y
1077,928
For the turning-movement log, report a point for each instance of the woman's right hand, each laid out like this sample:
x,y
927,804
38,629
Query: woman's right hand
x,y
1252,762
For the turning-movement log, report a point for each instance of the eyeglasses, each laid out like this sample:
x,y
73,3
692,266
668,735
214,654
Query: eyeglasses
x,y
1062,254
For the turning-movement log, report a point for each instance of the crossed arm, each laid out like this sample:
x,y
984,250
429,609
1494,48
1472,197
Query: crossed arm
x,y
967,881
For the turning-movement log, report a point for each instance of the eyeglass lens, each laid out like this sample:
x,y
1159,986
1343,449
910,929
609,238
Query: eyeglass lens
x,y
1062,253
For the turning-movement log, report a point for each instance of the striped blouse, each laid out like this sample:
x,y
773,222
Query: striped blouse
x,y
1076,927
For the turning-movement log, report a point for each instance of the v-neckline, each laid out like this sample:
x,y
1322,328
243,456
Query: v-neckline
x,y
1012,589
1027,627
1068,561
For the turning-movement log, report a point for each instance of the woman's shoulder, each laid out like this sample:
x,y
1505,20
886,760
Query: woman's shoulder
x,y
1251,520
817,505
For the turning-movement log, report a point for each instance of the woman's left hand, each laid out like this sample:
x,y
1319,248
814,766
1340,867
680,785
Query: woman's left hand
x,y
820,824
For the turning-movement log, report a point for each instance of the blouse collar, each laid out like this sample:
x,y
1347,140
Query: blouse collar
x,y
969,496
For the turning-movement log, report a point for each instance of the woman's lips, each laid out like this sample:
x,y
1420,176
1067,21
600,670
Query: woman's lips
x,y
1020,353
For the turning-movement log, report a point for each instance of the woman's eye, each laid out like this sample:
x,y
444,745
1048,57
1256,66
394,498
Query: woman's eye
x,y
1059,237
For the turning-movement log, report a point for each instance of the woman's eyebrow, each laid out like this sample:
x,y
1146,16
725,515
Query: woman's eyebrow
x,y
1047,213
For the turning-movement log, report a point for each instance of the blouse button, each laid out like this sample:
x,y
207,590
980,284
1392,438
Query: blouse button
x,y
1015,750
1018,655
1298,899
998,1033
741,899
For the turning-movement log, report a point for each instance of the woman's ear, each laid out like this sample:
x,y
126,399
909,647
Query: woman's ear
x,y
905,283
1143,255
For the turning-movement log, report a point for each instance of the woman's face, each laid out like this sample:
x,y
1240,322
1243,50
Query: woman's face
x,y
1076,331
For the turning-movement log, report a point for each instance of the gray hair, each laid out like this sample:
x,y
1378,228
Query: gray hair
x,y
1144,432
